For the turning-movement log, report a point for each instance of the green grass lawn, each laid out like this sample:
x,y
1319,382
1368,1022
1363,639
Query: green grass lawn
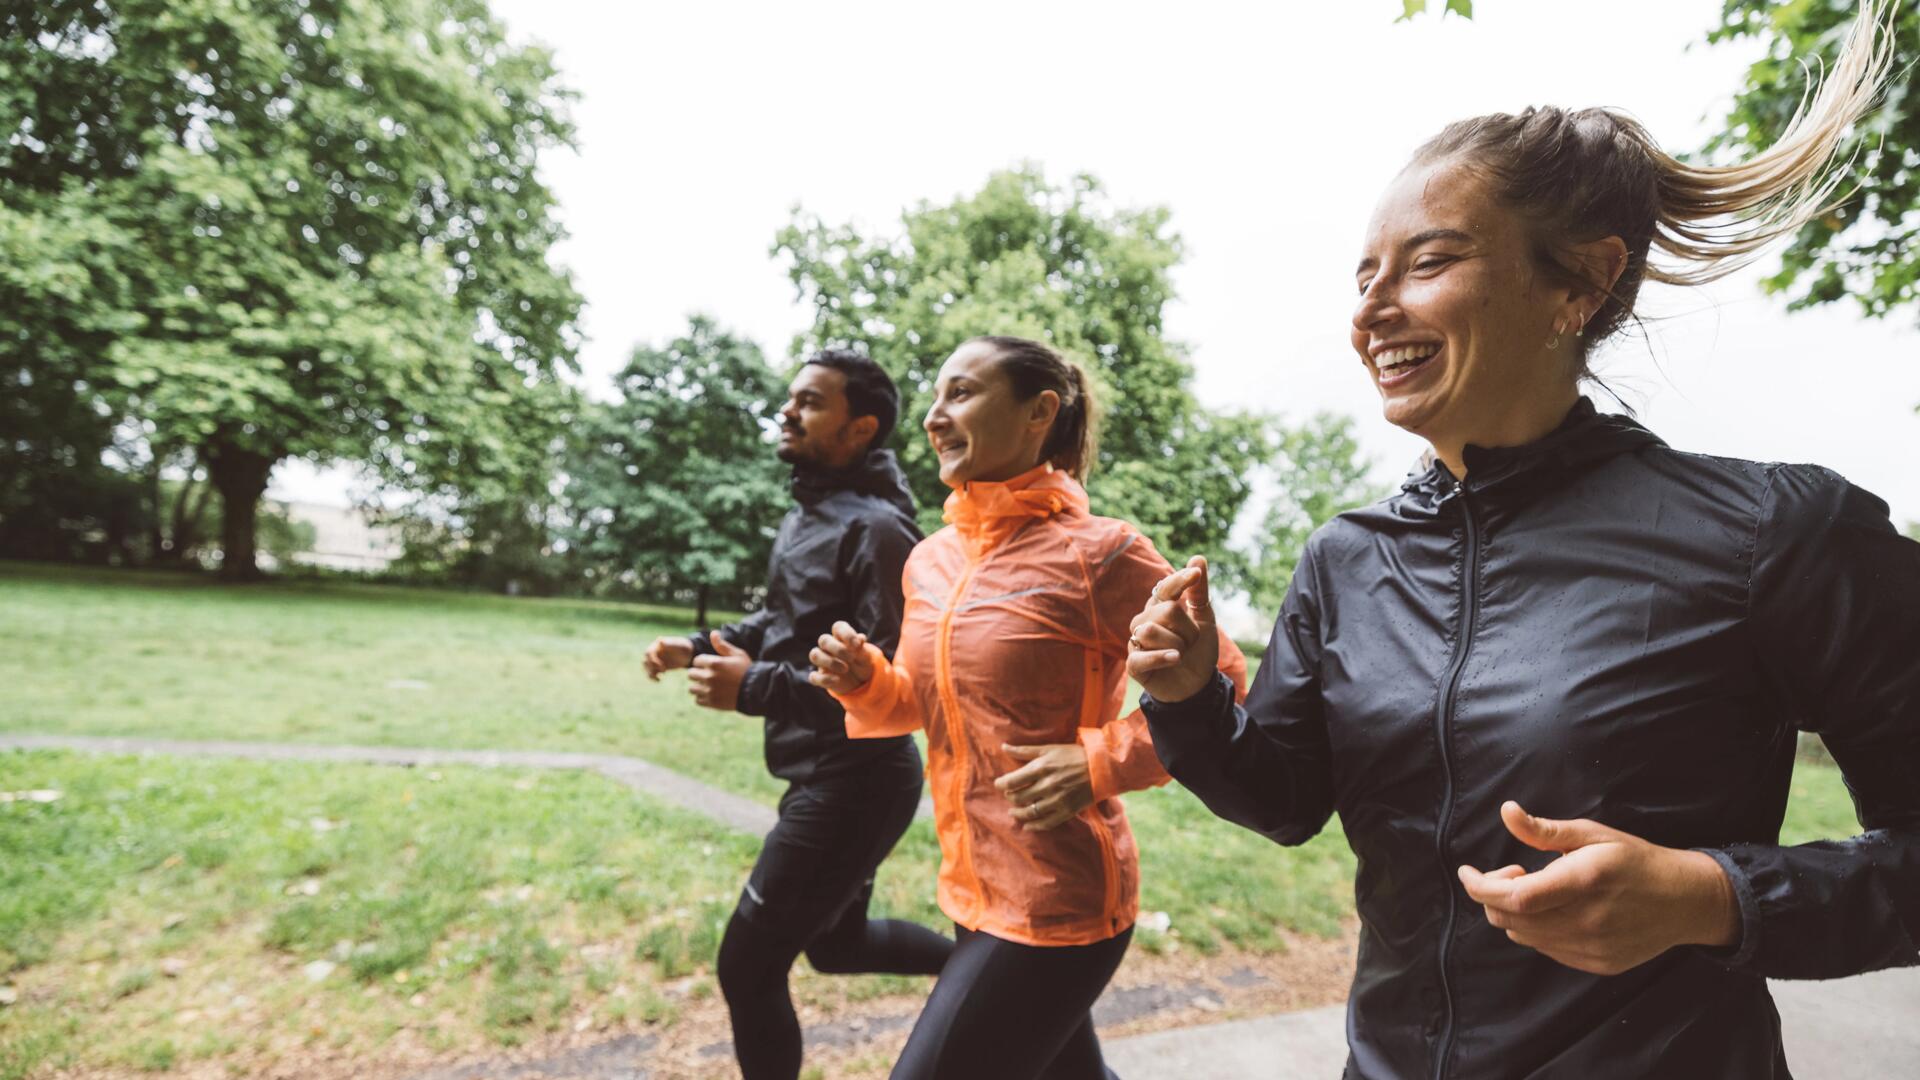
x,y
459,905
165,910
141,653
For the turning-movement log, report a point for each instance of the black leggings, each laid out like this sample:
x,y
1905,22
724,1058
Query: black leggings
x,y
1013,1012
809,893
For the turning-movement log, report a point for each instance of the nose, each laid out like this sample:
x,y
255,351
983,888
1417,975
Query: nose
x,y
790,413
1378,305
935,419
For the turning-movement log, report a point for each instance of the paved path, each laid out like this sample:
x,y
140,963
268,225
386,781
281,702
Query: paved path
x,y
1863,1028
683,791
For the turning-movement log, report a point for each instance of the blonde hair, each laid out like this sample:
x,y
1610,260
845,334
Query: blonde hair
x,y
1581,175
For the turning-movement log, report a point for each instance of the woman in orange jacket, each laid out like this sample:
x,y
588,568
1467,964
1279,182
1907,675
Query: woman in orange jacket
x,y
1012,657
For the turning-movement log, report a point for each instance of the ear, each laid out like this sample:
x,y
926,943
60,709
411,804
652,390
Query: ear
x,y
861,429
1045,406
1598,264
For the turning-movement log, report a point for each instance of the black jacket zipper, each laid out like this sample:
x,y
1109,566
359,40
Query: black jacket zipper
x,y
1443,720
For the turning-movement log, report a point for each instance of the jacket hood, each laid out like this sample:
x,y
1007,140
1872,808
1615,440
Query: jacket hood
x,y
1586,435
878,474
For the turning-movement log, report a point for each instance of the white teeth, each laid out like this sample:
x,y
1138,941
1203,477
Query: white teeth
x,y
1404,355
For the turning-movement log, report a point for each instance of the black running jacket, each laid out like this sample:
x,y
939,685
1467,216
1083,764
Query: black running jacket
x,y
1600,627
839,555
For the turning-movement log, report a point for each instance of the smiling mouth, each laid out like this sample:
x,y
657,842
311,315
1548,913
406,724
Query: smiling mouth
x,y
1396,364
943,451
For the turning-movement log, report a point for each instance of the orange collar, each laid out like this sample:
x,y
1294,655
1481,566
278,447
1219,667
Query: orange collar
x,y
987,512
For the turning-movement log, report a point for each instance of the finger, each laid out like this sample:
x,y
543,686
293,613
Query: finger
x,y
1550,834
852,638
1197,599
1550,889
822,661
1154,636
834,647
1174,584
1140,664
1021,777
726,648
1168,614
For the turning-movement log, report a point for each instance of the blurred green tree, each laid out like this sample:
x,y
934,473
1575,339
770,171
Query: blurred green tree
x,y
673,488
1867,248
1055,263
273,228
1318,472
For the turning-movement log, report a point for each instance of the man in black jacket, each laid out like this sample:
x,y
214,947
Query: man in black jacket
x,y
838,556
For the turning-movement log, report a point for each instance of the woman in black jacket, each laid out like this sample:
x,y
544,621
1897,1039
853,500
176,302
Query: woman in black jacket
x,y
1564,617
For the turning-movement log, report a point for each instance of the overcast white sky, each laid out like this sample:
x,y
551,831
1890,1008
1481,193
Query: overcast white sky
x,y
1268,129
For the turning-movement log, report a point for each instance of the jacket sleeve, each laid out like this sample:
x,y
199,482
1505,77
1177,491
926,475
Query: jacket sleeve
x,y
871,557
1267,764
748,633
1835,612
1120,753
886,706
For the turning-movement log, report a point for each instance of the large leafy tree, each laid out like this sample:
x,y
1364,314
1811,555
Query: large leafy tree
x,y
1868,248
673,488
268,228
1060,263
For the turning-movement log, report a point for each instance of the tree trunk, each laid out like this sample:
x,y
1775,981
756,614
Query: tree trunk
x,y
700,620
241,478
156,522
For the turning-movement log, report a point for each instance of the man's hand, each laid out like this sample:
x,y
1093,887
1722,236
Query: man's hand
x,y
1051,788
1174,648
715,680
840,661
1611,902
668,654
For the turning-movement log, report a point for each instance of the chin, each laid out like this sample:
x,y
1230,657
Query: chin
x,y
793,455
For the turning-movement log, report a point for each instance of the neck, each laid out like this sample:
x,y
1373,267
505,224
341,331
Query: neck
x,y
1527,421
1003,473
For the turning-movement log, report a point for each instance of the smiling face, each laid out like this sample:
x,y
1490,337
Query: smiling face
x,y
1454,319
979,427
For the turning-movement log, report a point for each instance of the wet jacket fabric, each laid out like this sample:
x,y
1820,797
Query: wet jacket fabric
x,y
1015,633
838,555
1597,626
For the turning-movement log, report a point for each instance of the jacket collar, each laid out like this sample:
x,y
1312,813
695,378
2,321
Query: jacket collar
x,y
877,474
1585,437
985,513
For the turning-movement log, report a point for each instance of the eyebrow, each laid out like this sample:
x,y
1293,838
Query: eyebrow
x,y
1416,240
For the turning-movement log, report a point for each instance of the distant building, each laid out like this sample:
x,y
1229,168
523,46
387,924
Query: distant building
x,y
343,538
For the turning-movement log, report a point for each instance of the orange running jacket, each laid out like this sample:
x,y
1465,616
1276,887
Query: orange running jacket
x,y
1015,632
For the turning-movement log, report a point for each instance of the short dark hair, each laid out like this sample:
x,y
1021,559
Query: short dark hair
x,y
870,390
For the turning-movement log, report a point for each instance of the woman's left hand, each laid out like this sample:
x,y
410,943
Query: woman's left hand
x,y
1050,788
1611,902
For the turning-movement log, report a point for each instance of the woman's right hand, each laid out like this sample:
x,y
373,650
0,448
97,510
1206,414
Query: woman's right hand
x,y
840,663
1174,647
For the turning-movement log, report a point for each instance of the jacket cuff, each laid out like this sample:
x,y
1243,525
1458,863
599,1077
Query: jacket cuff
x,y
1093,740
1741,956
755,686
702,643
1180,727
